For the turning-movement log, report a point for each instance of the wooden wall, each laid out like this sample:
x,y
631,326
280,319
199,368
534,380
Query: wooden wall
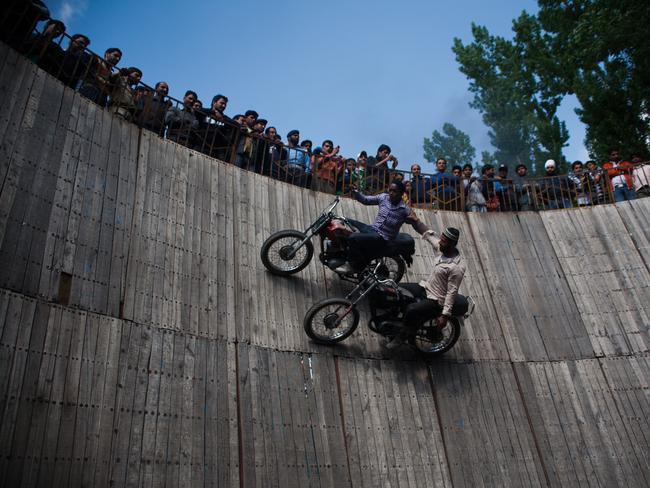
x,y
143,343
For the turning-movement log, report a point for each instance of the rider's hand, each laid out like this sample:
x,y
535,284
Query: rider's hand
x,y
412,218
441,321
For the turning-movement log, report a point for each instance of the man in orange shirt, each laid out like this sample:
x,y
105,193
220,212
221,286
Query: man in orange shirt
x,y
620,174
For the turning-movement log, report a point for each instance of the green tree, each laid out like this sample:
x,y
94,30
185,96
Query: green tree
x,y
452,144
598,50
487,158
517,108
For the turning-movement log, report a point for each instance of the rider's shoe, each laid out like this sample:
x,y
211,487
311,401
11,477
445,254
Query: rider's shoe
x,y
394,343
346,269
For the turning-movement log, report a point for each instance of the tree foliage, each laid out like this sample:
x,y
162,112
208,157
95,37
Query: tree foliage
x,y
604,59
594,49
519,112
452,144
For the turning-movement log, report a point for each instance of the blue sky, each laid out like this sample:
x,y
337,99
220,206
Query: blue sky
x,y
358,72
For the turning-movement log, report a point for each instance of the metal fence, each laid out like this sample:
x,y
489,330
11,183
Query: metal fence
x,y
246,145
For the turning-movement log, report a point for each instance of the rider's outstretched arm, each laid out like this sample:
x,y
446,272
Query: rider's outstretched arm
x,y
419,226
365,199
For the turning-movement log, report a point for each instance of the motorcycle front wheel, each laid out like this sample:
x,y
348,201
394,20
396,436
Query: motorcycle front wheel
x,y
431,341
280,255
331,321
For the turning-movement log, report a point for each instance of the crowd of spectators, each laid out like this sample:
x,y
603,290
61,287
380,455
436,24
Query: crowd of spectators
x,y
250,142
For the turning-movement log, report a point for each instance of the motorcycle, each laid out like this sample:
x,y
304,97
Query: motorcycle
x,y
333,320
289,251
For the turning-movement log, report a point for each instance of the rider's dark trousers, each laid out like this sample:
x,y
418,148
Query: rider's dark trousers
x,y
365,245
419,312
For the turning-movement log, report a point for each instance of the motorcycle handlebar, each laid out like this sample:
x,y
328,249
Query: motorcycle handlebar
x,y
332,205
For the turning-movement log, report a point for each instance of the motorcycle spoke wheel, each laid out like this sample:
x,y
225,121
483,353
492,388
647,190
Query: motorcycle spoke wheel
x,y
432,341
280,254
280,257
331,321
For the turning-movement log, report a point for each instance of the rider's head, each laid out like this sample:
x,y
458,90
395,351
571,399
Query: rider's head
x,y
449,240
395,192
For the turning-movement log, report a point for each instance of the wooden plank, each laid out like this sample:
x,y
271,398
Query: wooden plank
x,y
124,402
64,331
625,379
91,390
99,453
198,409
136,406
123,217
23,314
328,435
164,409
138,227
70,399
63,198
53,118
610,281
16,81
174,454
15,198
488,438
185,414
429,430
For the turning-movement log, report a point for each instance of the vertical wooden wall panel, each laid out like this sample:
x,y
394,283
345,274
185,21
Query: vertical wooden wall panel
x,y
534,304
484,425
581,423
175,345
607,276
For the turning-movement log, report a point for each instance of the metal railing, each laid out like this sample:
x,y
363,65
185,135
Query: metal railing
x,y
210,132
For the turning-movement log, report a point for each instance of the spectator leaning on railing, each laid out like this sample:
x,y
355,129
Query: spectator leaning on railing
x,y
326,167
76,61
554,189
245,146
598,194
244,140
522,188
582,181
621,176
377,171
420,186
43,49
121,89
502,189
641,176
181,122
96,84
152,106
476,198
18,19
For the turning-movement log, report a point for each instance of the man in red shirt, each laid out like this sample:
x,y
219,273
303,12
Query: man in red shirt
x,y
620,175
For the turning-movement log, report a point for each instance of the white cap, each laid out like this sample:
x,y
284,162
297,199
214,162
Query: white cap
x,y
549,164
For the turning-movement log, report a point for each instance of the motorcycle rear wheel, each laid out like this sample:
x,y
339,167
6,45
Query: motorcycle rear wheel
x,y
395,267
324,322
277,254
431,341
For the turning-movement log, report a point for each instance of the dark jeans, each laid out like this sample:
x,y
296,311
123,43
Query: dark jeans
x,y
623,193
419,312
364,246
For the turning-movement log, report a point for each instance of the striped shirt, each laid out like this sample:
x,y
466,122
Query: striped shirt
x,y
389,218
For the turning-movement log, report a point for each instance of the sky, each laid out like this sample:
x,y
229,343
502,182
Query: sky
x,y
359,72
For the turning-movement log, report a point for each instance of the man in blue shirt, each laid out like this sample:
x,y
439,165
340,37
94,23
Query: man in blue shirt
x,y
371,240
